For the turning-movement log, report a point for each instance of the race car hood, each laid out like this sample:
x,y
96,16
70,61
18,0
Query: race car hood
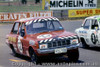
x,y
52,34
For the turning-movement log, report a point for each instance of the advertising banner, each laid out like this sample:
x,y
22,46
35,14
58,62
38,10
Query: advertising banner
x,y
16,16
83,12
68,4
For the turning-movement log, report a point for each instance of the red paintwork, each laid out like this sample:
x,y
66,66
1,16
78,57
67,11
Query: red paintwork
x,y
26,38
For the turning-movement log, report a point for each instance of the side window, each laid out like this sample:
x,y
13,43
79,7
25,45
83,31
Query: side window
x,y
94,24
49,25
56,25
15,28
87,24
21,28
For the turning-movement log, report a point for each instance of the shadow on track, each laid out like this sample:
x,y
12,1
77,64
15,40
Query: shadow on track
x,y
54,60
93,48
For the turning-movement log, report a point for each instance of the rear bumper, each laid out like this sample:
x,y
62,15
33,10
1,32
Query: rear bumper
x,y
47,51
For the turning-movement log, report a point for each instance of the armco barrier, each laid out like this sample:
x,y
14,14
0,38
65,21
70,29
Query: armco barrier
x,y
61,14
75,14
83,13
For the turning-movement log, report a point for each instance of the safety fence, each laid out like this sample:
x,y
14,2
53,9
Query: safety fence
x,y
61,14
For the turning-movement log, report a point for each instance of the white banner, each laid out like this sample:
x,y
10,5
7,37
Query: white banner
x,y
5,17
72,4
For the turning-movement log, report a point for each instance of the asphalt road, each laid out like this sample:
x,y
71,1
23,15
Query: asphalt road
x,y
88,57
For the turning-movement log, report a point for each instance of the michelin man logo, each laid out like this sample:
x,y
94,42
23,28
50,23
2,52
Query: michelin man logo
x,y
20,44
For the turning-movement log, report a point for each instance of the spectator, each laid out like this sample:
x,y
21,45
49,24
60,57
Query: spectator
x,y
37,1
24,1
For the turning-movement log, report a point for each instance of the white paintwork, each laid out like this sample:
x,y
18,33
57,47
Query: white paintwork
x,y
87,33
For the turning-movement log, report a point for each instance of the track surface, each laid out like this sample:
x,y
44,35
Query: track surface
x,y
88,57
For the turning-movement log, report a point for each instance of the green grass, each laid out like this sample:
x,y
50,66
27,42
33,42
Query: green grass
x,y
23,8
15,1
98,4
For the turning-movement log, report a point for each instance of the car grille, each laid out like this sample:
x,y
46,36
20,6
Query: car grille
x,y
58,43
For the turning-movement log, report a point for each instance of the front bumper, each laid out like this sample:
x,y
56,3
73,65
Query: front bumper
x,y
46,51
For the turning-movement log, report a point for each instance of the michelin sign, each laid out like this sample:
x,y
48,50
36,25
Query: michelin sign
x,y
68,4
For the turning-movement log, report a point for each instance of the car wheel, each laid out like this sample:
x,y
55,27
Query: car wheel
x,y
13,51
84,44
73,55
33,56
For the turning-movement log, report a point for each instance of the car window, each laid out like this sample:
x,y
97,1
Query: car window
x,y
38,25
43,26
57,25
50,25
15,28
87,24
21,28
94,24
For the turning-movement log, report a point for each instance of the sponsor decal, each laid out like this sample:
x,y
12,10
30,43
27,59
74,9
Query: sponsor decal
x,y
12,39
85,32
68,4
83,12
44,36
16,16
94,38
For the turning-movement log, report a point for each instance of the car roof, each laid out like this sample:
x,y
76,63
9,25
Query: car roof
x,y
94,17
36,18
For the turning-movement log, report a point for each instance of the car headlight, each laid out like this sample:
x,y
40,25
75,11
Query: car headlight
x,y
43,46
74,41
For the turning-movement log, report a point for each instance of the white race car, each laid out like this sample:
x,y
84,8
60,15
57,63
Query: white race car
x,y
89,32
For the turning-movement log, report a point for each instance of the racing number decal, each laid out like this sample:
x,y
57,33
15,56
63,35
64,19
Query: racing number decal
x,y
94,38
20,44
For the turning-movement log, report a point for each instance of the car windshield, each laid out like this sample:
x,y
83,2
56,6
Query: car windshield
x,y
43,26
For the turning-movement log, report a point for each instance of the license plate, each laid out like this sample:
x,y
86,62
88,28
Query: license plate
x,y
60,50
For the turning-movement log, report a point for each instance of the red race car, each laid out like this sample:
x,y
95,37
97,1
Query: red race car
x,y
36,37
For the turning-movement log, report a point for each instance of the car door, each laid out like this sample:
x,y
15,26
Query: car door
x,y
85,31
14,35
98,33
95,33
21,38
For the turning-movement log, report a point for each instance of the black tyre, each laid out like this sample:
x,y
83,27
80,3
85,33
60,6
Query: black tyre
x,y
33,56
84,44
13,51
73,55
